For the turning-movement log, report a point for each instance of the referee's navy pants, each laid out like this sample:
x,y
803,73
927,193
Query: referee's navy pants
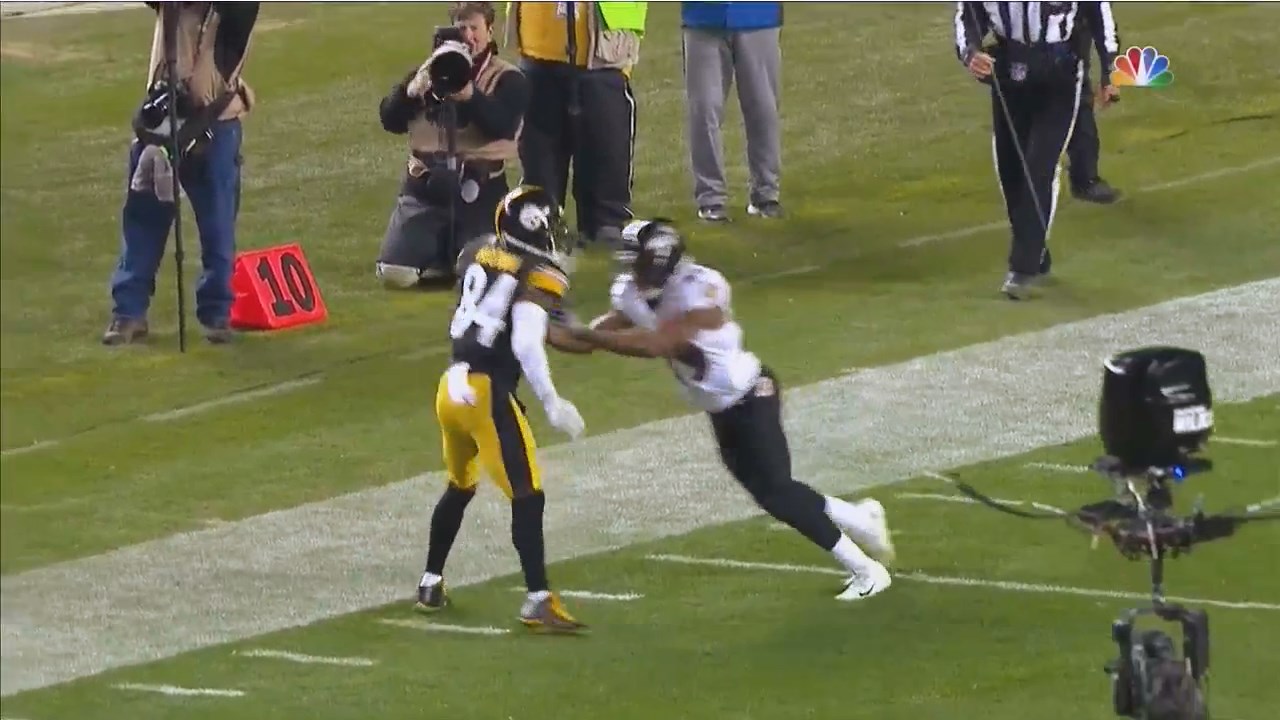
x,y
211,180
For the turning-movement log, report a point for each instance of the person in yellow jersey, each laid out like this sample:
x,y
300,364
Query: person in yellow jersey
x,y
578,57
510,283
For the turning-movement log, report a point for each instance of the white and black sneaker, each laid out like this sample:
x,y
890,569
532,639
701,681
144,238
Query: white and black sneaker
x,y
863,585
713,213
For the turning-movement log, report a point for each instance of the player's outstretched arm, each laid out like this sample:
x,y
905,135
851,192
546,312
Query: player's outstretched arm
x,y
664,342
529,327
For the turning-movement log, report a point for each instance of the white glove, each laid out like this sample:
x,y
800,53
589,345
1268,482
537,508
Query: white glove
x,y
419,85
458,386
564,417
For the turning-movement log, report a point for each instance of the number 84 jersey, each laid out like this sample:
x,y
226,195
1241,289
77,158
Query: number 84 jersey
x,y
493,279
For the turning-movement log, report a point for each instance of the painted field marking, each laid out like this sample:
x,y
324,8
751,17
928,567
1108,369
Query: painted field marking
x,y
1059,467
592,595
179,691
306,659
233,399
958,581
965,500
781,274
424,353
613,490
33,447
1247,442
443,627
1263,504
1180,182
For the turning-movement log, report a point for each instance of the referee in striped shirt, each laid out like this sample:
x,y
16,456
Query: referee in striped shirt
x,y
1036,75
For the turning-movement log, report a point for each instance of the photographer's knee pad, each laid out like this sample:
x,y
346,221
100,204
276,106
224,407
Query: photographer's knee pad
x,y
397,277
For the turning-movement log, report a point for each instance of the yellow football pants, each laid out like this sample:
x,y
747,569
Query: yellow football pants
x,y
493,433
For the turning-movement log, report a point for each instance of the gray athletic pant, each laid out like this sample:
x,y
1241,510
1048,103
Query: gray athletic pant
x,y
711,60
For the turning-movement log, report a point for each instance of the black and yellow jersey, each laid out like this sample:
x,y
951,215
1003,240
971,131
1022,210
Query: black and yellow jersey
x,y
491,280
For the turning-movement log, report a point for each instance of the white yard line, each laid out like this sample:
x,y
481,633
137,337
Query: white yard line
x,y
592,595
234,399
306,659
1059,467
352,552
33,447
428,626
174,690
1247,442
1006,585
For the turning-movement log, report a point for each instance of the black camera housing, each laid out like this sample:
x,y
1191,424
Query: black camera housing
x,y
1131,671
1156,408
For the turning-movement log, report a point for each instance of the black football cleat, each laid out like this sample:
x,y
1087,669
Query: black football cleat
x,y
432,598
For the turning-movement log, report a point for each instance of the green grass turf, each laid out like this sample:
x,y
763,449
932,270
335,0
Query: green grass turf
x,y
740,643
886,138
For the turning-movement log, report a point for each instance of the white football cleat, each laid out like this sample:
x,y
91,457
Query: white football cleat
x,y
864,585
875,540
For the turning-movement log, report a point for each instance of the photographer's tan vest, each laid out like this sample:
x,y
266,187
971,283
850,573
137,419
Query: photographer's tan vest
x,y
426,136
197,32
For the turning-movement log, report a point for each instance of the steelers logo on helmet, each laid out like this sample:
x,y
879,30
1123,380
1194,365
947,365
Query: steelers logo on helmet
x,y
660,251
529,221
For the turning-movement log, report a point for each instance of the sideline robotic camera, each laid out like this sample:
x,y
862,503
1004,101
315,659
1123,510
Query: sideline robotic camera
x,y
1155,415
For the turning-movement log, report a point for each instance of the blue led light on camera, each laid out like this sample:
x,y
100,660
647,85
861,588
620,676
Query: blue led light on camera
x,y
1179,473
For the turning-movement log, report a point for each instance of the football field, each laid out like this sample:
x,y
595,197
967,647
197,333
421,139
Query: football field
x,y
237,532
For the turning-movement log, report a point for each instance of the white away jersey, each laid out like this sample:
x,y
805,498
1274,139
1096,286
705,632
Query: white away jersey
x,y
716,371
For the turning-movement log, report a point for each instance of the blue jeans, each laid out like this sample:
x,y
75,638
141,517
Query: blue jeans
x,y
212,184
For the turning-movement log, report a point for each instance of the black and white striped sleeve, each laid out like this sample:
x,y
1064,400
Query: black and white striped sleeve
x,y
971,25
1106,37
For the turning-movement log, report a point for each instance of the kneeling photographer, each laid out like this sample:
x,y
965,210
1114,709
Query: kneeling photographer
x,y
462,111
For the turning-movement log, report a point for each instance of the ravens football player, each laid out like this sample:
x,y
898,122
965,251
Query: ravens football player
x,y
508,283
664,305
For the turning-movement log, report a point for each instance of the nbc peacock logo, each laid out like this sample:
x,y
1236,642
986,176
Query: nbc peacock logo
x,y
1141,67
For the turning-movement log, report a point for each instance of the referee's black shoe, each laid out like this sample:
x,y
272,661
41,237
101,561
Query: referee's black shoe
x,y
1097,191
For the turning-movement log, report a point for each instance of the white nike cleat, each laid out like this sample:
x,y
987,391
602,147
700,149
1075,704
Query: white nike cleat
x,y
874,538
864,585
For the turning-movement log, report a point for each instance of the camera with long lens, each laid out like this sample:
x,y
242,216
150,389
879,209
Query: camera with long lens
x,y
1155,417
449,66
151,122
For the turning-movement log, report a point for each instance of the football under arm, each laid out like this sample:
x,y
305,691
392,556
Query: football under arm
x,y
528,333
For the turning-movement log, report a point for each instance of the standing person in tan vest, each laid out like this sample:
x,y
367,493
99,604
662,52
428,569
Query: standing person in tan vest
x,y
438,210
212,43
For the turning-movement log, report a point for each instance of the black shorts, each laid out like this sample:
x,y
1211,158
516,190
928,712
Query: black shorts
x,y
752,442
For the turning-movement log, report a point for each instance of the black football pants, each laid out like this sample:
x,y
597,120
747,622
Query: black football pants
x,y
1084,148
753,446
599,139
1041,120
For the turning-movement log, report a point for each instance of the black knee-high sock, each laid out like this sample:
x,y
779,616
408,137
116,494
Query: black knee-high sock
x,y
445,522
526,533
801,507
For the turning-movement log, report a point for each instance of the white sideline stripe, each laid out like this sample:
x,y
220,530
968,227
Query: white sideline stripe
x,y
965,500
961,581
591,595
782,273
41,445
1262,504
937,476
1242,441
444,627
233,399
179,691
171,595
1058,467
1180,182
306,659
1211,175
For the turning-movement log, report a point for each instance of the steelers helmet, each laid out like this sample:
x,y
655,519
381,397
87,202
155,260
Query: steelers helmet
x,y
529,221
659,250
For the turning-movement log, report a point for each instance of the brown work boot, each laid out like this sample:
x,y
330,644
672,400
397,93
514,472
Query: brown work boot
x,y
218,333
123,331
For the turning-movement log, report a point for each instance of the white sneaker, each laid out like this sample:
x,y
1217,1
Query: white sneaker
x,y
864,585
